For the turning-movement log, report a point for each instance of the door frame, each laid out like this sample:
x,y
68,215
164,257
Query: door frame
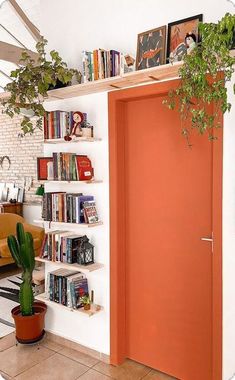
x,y
116,105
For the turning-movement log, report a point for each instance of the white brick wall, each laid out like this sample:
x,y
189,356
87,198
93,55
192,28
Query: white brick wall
x,y
23,153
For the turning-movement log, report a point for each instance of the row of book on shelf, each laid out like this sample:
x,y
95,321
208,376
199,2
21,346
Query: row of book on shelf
x,y
67,287
59,124
100,64
69,208
69,167
67,247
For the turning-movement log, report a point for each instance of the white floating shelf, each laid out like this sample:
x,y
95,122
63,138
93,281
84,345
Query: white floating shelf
x,y
63,224
80,182
78,140
93,310
81,268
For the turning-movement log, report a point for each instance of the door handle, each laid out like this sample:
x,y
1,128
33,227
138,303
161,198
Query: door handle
x,y
210,240
206,239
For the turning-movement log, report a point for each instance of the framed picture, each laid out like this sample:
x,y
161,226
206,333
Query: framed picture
x,y
42,167
151,48
21,195
182,36
13,194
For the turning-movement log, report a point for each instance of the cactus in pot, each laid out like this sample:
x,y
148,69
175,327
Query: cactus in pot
x,y
29,317
22,251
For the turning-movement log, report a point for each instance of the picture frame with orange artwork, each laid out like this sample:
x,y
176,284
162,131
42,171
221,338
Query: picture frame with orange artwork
x,y
179,33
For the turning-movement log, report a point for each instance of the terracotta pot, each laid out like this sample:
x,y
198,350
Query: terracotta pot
x,y
30,329
87,306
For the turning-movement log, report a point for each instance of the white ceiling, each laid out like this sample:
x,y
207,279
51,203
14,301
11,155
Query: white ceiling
x,y
19,35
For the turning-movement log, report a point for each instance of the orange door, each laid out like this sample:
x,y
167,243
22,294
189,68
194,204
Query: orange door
x,y
168,195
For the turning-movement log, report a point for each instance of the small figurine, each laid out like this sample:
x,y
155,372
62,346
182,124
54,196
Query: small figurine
x,y
190,42
78,118
76,131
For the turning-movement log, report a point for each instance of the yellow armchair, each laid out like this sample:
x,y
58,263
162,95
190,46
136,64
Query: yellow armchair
x,y
8,227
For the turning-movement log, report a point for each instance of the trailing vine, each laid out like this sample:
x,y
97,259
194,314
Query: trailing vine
x,y
204,75
30,83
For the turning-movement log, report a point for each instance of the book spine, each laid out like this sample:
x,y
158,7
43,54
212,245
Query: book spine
x,y
96,68
100,63
69,251
112,63
45,126
117,63
86,67
108,64
72,294
122,64
55,166
91,66
49,209
58,124
51,292
42,250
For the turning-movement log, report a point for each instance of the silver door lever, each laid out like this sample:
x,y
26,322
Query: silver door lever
x,y
210,240
206,239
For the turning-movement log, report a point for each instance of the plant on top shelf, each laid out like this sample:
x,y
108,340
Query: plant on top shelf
x,y
29,316
30,83
204,74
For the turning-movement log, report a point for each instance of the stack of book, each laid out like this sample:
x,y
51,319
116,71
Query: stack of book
x,y
70,167
101,64
65,247
57,124
66,287
69,208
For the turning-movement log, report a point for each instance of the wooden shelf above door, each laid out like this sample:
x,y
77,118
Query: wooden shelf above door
x,y
134,78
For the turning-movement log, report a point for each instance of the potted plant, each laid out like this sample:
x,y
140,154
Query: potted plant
x,y
203,75
86,301
30,83
29,316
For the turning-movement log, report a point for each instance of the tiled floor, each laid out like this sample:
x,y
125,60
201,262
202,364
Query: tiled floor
x,y
51,361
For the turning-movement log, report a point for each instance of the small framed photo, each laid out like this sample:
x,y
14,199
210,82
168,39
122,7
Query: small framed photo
x,y
13,194
20,195
182,37
42,167
151,48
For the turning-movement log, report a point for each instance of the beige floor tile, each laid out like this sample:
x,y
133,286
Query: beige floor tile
x,y
156,375
79,357
46,342
94,375
7,342
19,358
129,370
57,367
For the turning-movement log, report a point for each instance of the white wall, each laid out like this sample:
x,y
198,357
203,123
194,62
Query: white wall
x,y
74,25
115,24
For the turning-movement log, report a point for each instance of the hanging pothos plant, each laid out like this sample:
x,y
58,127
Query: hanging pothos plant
x,y
30,83
203,75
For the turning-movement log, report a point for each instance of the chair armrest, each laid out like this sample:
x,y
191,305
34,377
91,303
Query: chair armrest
x,y
37,232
